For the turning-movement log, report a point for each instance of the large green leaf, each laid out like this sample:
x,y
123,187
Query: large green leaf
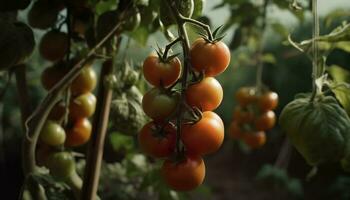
x,y
342,92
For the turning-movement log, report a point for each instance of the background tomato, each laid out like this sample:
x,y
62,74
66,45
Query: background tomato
x,y
205,136
246,96
255,140
57,112
159,73
235,131
52,133
82,106
212,58
155,143
241,115
85,82
268,101
51,75
61,164
184,175
265,121
205,95
79,134
54,45
158,105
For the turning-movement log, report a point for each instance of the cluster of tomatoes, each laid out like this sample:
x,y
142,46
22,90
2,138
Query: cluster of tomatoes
x,y
253,116
201,131
68,123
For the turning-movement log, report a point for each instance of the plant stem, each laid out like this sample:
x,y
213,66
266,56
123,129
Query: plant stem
x,y
168,47
197,23
186,49
315,34
99,129
284,155
22,89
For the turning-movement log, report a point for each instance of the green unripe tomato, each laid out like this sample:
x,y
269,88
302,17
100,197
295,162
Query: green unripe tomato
x,y
61,164
52,134
185,7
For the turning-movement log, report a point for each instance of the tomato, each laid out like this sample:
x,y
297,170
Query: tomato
x,y
61,164
242,115
42,154
205,136
156,143
212,58
82,106
52,133
235,131
268,101
205,95
54,45
158,105
79,134
255,140
133,21
184,175
265,121
246,96
159,73
185,7
51,75
42,15
85,82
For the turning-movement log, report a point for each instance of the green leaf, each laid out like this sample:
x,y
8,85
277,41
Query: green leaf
x,y
121,142
280,29
140,35
104,6
345,46
269,58
335,15
339,74
342,93
142,2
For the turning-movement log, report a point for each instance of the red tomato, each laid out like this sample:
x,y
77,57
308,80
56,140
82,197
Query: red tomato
x,y
205,95
268,101
205,136
184,175
255,140
160,73
54,45
235,131
212,58
158,105
265,121
246,96
155,142
79,134
242,116
51,75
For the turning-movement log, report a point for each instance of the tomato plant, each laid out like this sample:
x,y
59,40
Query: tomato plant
x,y
53,134
61,164
79,133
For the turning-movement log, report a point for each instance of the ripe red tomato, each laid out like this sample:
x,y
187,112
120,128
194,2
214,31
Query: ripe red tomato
x,y
54,45
241,115
160,73
155,142
79,134
235,131
158,105
265,121
255,140
212,58
52,134
205,95
184,175
61,164
51,75
82,106
246,96
205,136
85,82
268,101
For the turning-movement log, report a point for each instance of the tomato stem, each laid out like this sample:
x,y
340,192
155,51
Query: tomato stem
x,y
198,23
315,59
168,47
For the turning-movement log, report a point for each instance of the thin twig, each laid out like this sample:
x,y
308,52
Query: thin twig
x,y
22,90
99,129
284,155
315,34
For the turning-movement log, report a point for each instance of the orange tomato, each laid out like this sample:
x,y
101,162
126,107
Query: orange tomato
x,y
235,131
246,96
184,175
242,116
210,57
268,101
205,136
82,106
155,142
85,82
205,95
255,140
159,73
265,121
79,134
